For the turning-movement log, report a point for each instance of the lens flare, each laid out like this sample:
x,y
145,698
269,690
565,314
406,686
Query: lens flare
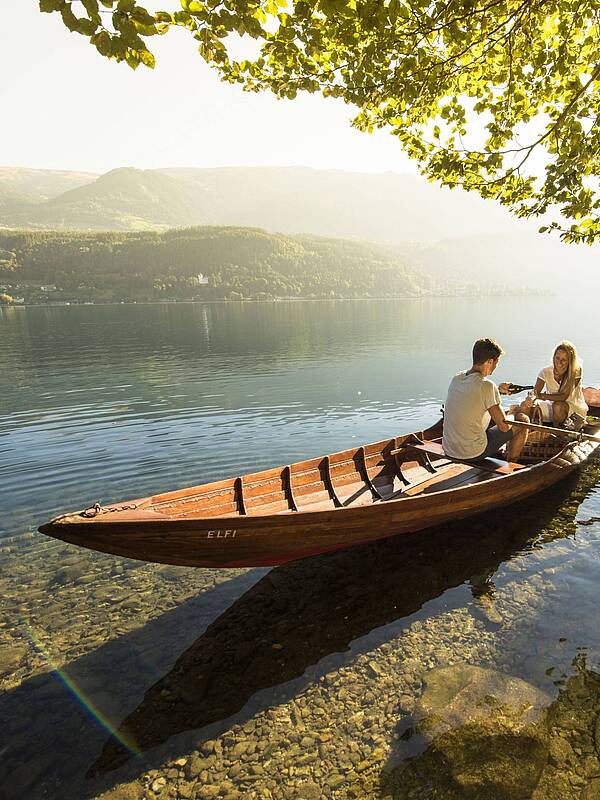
x,y
92,710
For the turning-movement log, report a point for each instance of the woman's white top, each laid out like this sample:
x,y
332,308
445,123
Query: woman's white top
x,y
576,401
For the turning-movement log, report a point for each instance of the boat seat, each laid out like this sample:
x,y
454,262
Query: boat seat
x,y
489,464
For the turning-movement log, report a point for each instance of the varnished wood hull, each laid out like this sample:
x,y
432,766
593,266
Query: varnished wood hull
x,y
141,529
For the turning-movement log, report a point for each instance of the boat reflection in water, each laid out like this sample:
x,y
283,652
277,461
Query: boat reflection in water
x,y
302,612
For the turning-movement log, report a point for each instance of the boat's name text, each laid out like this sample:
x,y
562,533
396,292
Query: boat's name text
x,y
221,534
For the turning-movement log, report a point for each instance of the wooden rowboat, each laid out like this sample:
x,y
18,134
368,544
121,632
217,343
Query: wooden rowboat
x,y
395,486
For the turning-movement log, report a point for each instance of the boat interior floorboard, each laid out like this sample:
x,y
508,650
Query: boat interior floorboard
x,y
459,475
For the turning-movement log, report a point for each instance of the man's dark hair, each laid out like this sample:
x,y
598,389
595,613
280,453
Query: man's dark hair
x,y
484,349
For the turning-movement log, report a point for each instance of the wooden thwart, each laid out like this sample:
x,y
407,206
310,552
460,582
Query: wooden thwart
x,y
488,464
454,476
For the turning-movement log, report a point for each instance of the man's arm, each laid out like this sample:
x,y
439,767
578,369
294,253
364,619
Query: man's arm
x,y
498,417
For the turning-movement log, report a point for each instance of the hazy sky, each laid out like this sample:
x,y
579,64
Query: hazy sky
x,y
66,107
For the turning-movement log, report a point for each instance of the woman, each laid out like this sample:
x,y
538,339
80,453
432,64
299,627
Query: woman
x,y
558,391
562,402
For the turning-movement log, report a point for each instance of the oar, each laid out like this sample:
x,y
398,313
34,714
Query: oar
x,y
534,427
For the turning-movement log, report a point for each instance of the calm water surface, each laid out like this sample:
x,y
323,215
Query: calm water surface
x,y
105,403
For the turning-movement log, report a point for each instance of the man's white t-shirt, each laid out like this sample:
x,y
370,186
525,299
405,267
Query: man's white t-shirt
x,y
466,416
576,400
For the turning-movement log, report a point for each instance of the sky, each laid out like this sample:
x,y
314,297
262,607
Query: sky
x,y
66,107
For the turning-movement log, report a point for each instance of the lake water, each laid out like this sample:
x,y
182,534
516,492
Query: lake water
x,y
316,677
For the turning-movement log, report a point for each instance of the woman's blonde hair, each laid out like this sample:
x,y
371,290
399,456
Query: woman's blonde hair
x,y
574,369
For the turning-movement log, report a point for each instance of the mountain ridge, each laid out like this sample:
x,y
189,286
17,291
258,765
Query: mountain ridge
x,y
449,233
381,207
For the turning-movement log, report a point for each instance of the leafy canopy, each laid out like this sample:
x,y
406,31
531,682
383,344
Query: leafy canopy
x,y
497,96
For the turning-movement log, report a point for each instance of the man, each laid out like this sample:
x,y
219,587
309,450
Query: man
x,y
473,402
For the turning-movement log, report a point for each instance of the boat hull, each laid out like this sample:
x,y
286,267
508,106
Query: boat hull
x,y
272,539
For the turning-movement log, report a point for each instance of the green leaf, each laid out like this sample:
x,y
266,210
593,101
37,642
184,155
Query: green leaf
x,y
147,59
260,15
142,16
182,17
145,30
69,17
132,59
48,6
205,51
87,27
119,48
102,43
91,6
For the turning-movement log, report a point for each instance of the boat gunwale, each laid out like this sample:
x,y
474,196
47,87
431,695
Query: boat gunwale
x,y
527,470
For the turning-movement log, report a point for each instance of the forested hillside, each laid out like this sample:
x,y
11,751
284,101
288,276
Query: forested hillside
x,y
237,263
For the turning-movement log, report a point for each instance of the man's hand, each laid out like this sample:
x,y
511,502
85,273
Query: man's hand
x,y
504,388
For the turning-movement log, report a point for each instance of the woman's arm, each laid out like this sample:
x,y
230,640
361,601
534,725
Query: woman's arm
x,y
555,396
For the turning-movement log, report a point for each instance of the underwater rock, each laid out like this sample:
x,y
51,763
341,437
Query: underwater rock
x,y
488,728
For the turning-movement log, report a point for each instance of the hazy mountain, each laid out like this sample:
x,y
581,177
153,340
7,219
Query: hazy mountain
x,y
42,184
525,260
383,207
12,200
123,199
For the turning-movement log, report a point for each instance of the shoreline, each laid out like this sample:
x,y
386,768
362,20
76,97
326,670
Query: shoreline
x,y
387,298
